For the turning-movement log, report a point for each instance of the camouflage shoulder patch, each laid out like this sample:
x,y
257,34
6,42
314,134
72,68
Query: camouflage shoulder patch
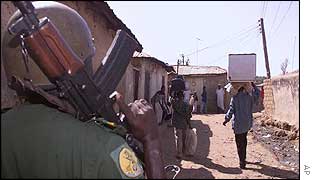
x,y
127,162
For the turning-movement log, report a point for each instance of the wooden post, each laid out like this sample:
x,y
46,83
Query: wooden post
x,y
265,47
177,66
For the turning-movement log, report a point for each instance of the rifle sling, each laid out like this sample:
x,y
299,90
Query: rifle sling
x,y
34,94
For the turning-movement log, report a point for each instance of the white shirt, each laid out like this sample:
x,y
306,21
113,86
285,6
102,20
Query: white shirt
x,y
220,98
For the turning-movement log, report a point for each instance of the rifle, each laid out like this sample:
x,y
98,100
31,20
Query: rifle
x,y
91,97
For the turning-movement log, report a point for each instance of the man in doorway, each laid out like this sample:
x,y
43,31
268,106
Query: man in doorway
x,y
220,99
159,105
204,100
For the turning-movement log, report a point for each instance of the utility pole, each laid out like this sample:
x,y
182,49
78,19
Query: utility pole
x,y
177,65
198,39
265,47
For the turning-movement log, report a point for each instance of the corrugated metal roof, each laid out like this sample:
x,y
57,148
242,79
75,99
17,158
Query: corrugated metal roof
x,y
142,54
146,56
199,70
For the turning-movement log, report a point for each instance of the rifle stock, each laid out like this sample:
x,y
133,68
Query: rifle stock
x,y
88,96
51,53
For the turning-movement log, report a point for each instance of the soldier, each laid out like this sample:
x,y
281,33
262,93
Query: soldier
x,y
40,141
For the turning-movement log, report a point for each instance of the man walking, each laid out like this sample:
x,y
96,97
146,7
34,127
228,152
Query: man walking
x,y
241,106
204,100
220,99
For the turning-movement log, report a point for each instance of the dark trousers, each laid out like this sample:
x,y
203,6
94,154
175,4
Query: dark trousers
x,y
241,143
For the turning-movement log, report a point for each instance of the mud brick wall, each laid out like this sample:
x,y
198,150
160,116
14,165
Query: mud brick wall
x,y
268,97
281,99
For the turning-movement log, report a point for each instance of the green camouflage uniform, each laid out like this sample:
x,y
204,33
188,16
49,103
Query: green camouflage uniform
x,y
41,142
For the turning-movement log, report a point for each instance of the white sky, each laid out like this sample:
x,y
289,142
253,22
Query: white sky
x,y
167,29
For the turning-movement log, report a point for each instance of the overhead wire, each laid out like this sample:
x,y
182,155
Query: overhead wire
x,y
245,39
245,43
283,17
275,17
249,41
227,39
265,9
227,52
228,47
220,58
234,35
262,8
257,37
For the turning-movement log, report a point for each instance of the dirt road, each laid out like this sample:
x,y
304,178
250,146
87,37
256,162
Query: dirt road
x,y
216,156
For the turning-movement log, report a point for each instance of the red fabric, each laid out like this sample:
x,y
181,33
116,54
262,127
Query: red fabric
x,y
262,92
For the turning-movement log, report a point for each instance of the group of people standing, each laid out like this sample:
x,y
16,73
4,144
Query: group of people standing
x,y
193,99
241,106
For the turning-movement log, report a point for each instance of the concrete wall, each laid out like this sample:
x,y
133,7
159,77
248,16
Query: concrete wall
x,y
281,99
211,82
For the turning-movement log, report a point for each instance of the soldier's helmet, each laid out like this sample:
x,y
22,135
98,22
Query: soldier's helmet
x,y
70,24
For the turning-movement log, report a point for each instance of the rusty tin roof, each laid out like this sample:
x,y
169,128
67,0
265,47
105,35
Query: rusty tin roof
x,y
199,70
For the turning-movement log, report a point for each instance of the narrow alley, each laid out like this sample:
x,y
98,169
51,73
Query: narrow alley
x,y
216,156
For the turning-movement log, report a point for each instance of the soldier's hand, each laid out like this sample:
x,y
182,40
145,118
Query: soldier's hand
x,y
140,117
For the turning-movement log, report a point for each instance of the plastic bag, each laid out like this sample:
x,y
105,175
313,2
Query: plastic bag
x,y
191,141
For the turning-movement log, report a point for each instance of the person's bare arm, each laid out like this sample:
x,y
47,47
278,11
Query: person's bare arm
x,y
143,124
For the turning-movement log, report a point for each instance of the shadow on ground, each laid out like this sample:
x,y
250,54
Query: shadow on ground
x,y
204,135
273,171
202,161
200,158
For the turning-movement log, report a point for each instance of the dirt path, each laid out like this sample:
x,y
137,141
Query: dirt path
x,y
216,156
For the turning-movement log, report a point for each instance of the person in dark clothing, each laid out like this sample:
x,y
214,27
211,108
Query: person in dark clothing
x,y
159,105
181,121
204,100
241,106
255,93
